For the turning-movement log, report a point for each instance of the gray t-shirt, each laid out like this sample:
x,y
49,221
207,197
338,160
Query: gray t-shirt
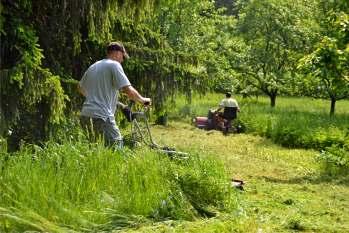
x,y
101,83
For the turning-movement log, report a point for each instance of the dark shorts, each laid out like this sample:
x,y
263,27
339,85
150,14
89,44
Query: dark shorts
x,y
98,129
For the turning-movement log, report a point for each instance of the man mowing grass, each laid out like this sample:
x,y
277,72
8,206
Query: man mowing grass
x,y
100,85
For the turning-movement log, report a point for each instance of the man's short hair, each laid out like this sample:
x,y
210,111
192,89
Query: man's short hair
x,y
116,46
228,94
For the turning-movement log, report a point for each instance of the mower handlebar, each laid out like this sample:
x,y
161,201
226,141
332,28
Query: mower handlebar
x,y
132,103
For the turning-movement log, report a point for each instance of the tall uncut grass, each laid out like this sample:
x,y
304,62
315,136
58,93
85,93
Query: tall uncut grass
x,y
80,187
298,122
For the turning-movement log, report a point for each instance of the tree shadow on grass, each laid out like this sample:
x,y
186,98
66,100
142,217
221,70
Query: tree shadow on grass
x,y
316,179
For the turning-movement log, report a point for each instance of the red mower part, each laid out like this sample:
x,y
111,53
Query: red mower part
x,y
201,122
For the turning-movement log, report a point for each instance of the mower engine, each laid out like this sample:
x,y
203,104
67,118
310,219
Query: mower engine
x,y
201,122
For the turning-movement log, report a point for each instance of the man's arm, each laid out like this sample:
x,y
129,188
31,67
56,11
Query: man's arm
x,y
237,105
220,106
121,105
81,90
133,94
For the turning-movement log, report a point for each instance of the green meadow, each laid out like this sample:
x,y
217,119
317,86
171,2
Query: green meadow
x,y
294,122
293,159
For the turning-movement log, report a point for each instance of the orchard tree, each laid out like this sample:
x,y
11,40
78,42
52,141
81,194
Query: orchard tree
x,y
276,34
329,62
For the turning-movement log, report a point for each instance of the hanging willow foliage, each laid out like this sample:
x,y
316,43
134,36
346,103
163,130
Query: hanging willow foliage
x,y
161,73
47,45
41,45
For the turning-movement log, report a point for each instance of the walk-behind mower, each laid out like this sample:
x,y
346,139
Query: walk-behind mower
x,y
141,134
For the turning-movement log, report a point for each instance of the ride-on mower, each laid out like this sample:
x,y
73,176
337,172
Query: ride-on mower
x,y
219,121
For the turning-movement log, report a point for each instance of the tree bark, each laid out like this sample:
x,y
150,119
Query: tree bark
x,y
333,106
272,100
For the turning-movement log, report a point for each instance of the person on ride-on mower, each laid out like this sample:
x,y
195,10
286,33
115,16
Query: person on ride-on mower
x,y
230,108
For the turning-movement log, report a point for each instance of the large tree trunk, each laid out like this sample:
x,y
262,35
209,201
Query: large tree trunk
x,y
2,123
272,100
1,116
2,113
333,106
272,95
159,106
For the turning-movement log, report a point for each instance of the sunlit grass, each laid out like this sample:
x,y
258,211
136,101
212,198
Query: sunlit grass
x,y
294,122
285,188
82,187
253,107
87,188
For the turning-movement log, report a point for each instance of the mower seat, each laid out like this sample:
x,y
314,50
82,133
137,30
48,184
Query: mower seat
x,y
230,113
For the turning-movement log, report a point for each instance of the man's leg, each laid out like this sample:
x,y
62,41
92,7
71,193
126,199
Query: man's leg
x,y
228,125
112,135
93,128
98,129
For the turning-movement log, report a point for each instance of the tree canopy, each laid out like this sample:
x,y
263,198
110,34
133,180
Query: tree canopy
x,y
276,33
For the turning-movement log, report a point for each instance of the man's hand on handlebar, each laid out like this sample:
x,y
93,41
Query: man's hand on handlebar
x,y
146,102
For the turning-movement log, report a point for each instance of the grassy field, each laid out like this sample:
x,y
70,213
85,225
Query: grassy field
x,y
201,104
75,187
285,188
293,123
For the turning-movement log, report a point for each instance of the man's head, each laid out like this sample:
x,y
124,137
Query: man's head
x,y
228,94
116,51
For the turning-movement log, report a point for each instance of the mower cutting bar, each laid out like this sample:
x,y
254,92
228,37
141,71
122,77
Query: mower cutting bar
x,y
136,130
